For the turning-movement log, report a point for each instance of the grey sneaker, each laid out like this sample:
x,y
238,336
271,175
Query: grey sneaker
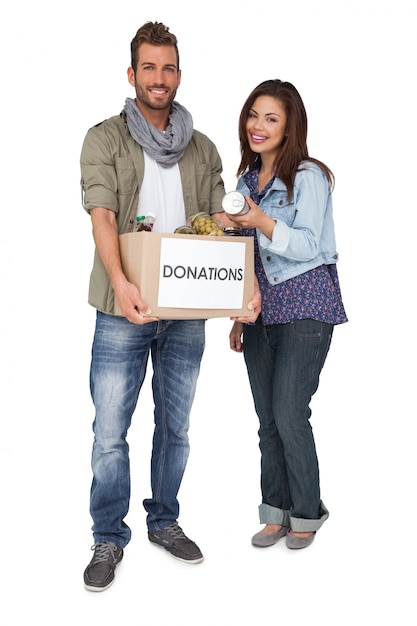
x,y
177,543
99,573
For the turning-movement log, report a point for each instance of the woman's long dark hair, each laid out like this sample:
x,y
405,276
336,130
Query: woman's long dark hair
x,y
293,149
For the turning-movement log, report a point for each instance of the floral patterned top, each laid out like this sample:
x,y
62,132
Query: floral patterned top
x,y
315,294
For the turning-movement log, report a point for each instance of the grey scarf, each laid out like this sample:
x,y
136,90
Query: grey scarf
x,y
165,147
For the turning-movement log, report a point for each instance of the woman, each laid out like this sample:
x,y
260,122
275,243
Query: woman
x,y
290,216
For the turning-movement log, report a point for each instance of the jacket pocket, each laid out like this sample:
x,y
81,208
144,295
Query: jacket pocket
x,y
126,175
279,208
203,186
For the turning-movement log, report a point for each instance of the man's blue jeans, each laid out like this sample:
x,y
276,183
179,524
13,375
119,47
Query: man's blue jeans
x,y
284,362
119,361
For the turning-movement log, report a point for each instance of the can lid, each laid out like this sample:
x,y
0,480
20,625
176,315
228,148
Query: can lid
x,y
201,214
233,202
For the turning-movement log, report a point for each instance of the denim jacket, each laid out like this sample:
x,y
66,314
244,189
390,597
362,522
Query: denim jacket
x,y
303,237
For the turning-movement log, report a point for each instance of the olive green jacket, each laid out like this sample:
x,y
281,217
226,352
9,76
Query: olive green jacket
x,y
112,169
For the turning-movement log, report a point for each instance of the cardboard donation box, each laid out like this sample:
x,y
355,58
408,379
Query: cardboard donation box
x,y
190,276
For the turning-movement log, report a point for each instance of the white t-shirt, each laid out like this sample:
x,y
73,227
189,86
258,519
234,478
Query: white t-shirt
x,y
161,194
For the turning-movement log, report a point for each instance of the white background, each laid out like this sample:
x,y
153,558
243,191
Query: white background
x,y
63,69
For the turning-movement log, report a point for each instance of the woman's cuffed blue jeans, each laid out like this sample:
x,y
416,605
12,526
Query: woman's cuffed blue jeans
x,y
284,362
119,360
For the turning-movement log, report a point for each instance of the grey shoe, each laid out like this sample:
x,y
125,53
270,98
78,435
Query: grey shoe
x,y
177,544
296,543
264,540
99,573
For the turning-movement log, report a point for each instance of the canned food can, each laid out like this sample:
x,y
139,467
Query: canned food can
x,y
231,231
234,203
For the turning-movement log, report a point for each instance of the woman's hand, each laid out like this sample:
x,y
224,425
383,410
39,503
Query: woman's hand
x,y
254,218
254,306
235,337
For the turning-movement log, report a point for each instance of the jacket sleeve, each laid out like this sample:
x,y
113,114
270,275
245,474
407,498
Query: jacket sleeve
x,y
98,172
300,240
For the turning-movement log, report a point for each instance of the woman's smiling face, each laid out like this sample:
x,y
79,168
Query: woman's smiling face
x,y
266,125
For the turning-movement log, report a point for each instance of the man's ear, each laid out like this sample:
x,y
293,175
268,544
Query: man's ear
x,y
131,76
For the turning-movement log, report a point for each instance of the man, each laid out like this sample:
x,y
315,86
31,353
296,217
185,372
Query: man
x,y
147,159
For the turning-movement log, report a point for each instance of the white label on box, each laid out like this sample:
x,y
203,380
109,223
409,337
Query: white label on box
x,y
201,274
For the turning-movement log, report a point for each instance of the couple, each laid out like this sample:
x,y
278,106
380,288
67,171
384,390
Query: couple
x,y
151,158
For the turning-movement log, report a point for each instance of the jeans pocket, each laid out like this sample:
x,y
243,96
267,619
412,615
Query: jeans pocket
x,y
307,328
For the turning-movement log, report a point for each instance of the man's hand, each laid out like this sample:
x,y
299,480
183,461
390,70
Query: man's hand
x,y
107,242
131,304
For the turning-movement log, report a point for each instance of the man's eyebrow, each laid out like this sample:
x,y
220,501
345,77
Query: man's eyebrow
x,y
152,63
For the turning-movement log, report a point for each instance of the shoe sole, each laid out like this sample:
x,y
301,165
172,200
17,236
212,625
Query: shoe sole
x,y
91,588
190,561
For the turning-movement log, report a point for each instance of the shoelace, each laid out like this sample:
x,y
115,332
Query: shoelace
x,y
103,552
176,532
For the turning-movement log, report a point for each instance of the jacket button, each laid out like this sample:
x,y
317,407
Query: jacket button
x,y
281,202
268,258
276,279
